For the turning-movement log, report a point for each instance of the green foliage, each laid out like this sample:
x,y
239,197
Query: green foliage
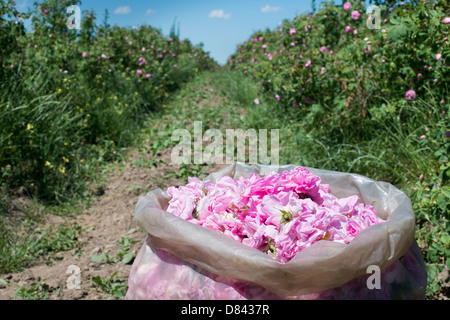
x,y
72,99
19,247
39,291
125,255
116,287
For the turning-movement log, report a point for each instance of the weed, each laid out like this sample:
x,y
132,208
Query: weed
x,y
39,291
115,287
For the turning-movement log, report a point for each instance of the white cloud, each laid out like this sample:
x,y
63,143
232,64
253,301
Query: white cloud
x,y
122,10
268,9
149,12
219,13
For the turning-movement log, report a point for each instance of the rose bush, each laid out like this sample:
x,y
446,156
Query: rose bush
x,y
69,96
371,101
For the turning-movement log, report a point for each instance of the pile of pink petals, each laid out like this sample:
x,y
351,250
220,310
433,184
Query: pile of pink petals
x,y
280,214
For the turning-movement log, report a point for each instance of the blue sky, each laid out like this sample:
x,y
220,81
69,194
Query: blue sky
x,y
219,25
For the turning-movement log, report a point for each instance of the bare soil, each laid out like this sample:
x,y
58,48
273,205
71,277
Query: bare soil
x,y
108,219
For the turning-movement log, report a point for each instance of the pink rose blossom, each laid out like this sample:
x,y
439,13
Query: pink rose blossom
x,y
446,20
139,72
323,49
348,29
353,228
279,213
347,6
308,64
355,15
410,94
292,31
438,56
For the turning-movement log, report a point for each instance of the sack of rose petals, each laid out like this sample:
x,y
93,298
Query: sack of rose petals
x,y
277,232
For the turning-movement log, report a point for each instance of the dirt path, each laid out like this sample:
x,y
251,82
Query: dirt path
x,y
108,220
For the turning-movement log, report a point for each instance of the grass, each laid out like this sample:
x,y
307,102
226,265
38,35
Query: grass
x,y
38,290
18,247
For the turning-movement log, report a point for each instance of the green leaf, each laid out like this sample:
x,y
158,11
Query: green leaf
x,y
397,31
3,282
446,192
445,239
97,280
118,293
99,258
441,202
128,258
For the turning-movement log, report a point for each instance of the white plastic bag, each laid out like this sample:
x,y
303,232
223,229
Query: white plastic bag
x,y
181,260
